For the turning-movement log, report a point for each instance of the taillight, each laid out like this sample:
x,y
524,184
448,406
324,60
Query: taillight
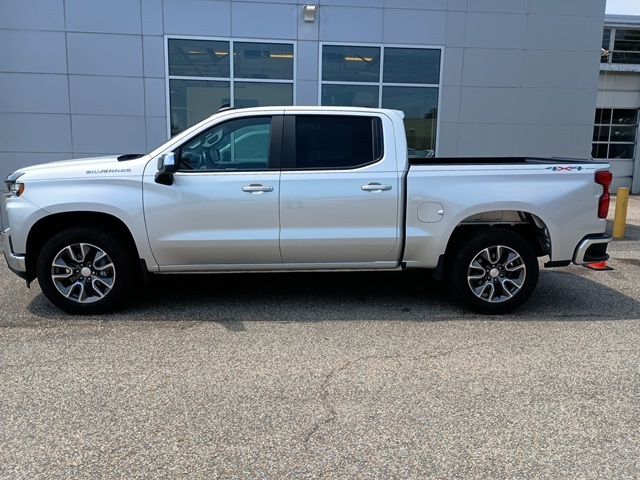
x,y
604,178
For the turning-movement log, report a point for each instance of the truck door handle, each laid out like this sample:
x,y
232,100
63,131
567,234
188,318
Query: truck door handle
x,y
375,187
257,188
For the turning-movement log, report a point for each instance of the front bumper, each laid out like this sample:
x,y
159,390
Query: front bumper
x,y
592,249
17,263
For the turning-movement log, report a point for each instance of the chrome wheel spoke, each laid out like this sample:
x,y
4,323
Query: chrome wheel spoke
x,y
496,274
77,277
103,267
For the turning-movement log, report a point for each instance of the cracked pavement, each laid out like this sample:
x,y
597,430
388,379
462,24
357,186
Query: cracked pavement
x,y
351,375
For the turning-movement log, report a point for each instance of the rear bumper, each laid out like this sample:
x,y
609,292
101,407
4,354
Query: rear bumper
x,y
17,263
592,249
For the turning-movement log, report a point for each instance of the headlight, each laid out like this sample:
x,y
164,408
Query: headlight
x,y
14,188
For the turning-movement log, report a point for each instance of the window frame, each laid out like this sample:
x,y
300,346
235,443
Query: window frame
x,y
288,154
613,29
381,83
232,78
275,144
610,125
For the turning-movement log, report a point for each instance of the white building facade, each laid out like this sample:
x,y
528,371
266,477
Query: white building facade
x,y
474,77
615,135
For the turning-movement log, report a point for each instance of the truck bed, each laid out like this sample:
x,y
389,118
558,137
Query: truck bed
x,y
495,161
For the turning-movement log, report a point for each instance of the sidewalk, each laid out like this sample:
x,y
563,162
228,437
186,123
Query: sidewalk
x,y
632,231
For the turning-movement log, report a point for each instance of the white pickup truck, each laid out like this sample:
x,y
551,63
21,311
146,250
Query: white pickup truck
x,y
300,188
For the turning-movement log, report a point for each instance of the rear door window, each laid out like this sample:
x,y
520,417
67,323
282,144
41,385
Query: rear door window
x,y
326,142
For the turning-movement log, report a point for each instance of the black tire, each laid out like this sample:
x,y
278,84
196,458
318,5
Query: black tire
x,y
506,298
121,257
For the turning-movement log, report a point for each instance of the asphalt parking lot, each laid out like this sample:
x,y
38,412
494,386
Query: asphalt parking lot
x,y
352,375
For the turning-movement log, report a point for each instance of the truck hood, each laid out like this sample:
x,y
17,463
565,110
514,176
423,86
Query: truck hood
x,y
107,166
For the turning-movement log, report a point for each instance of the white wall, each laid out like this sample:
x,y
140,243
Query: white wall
x,y
86,77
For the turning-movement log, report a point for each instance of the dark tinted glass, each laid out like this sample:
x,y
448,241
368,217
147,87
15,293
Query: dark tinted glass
x,y
624,116
599,150
623,134
626,57
411,65
350,95
606,40
195,100
621,150
199,58
627,40
420,107
328,142
241,144
252,94
350,64
263,60
601,134
603,115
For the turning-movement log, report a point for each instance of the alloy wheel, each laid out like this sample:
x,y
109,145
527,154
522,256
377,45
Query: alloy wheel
x,y
83,273
496,274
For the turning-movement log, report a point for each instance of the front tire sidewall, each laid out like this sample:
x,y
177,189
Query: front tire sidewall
x,y
466,252
119,255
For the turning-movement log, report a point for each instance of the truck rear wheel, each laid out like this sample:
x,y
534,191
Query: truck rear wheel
x,y
85,271
494,272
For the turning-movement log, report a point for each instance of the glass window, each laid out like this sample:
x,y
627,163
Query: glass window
x,y
603,115
420,107
350,64
623,134
351,95
262,76
352,76
627,40
615,133
332,141
252,94
241,144
606,40
194,100
601,134
411,65
599,150
624,116
263,60
199,58
621,150
624,47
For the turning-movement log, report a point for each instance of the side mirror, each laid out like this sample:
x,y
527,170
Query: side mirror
x,y
167,166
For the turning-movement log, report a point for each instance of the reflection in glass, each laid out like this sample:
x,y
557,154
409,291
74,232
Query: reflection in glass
x,y
411,65
350,95
623,134
199,58
621,150
603,115
599,150
600,134
254,94
420,107
350,64
263,60
194,100
625,116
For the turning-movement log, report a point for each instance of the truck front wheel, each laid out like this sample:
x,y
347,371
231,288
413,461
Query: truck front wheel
x,y
494,272
85,271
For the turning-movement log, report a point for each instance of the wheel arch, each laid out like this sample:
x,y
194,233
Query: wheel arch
x,y
527,224
49,225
